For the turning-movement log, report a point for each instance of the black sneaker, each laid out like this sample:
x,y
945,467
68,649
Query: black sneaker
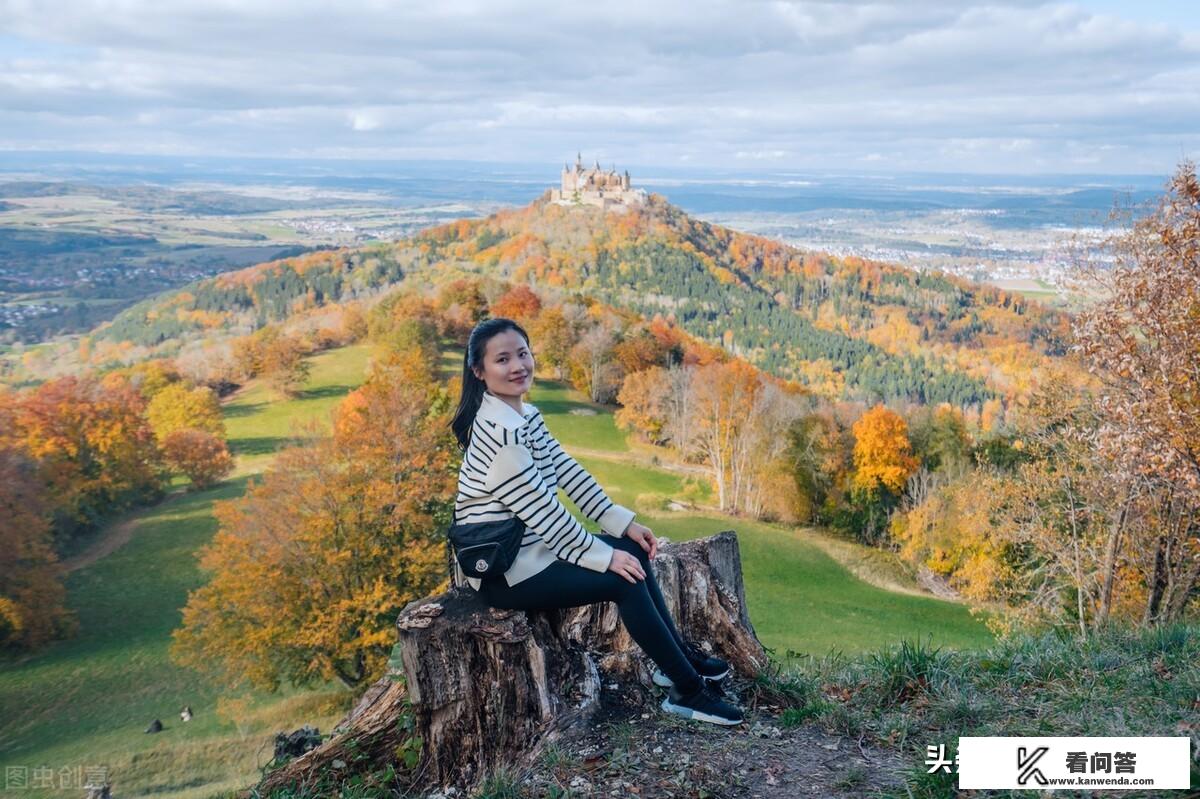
x,y
660,679
703,705
711,667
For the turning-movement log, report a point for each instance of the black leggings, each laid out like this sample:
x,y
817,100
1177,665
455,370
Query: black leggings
x,y
640,604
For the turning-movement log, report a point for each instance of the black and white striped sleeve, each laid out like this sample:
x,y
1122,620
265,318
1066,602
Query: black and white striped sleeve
x,y
514,479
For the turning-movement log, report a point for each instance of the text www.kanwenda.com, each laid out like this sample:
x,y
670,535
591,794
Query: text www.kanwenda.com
x,y
1100,781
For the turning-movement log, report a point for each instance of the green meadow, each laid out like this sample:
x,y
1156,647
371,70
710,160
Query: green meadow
x,y
799,597
84,703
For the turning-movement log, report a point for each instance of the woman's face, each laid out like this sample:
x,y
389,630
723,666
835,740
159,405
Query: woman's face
x,y
507,357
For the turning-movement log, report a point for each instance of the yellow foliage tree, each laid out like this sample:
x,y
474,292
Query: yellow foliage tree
x,y
951,530
177,407
311,567
552,339
882,452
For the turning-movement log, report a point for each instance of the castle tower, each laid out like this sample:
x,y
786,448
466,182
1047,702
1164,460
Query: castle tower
x,y
597,186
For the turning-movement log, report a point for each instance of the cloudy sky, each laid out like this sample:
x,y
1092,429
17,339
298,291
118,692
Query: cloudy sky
x,y
1103,87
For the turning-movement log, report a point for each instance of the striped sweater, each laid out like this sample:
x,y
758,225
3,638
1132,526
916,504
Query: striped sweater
x,y
514,466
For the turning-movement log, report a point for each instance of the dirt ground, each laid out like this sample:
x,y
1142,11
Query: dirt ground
x,y
634,748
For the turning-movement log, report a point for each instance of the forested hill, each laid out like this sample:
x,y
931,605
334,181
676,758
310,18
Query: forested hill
x,y
845,326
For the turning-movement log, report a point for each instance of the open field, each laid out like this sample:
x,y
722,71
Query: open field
x,y
86,702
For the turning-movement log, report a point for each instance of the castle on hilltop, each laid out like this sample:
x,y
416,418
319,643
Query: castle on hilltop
x,y
594,186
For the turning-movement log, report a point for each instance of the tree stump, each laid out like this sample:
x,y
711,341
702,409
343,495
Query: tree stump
x,y
489,687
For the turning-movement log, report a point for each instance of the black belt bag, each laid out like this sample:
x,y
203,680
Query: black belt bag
x,y
484,549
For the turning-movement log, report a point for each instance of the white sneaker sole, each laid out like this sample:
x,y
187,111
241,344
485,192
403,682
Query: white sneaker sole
x,y
696,715
663,681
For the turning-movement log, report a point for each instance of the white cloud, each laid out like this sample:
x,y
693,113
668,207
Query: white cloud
x,y
760,155
964,85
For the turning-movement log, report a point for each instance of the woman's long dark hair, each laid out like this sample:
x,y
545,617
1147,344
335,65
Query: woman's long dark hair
x,y
472,386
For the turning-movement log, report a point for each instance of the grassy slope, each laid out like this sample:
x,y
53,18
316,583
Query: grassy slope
x,y
799,597
86,701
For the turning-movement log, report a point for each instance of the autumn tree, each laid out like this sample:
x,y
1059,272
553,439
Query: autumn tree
x,y
760,485
639,351
679,402
819,448
95,452
406,322
284,366
178,407
461,306
643,398
33,600
883,457
148,377
669,337
724,395
353,322
1067,512
210,363
247,353
519,303
311,567
203,457
1054,528
592,367
1141,342
883,462
939,438
553,336
950,527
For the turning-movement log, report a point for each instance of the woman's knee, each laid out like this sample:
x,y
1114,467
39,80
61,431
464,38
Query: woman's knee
x,y
635,591
633,548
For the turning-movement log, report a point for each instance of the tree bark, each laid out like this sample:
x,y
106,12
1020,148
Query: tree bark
x,y
491,687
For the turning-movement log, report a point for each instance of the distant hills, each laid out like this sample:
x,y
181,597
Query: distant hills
x,y
846,326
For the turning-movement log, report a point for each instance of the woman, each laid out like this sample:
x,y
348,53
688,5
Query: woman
x,y
512,465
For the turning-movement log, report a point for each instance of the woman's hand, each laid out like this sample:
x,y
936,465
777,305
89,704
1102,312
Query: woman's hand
x,y
641,533
627,566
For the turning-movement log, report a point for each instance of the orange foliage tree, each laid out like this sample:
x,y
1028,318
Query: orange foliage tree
x,y
518,303
284,366
95,451
200,455
643,399
1141,341
311,567
461,305
883,456
641,350
33,609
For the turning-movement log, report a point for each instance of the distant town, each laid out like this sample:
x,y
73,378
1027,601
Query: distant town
x,y
73,254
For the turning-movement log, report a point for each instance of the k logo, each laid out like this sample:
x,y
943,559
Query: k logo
x,y
1026,761
481,565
